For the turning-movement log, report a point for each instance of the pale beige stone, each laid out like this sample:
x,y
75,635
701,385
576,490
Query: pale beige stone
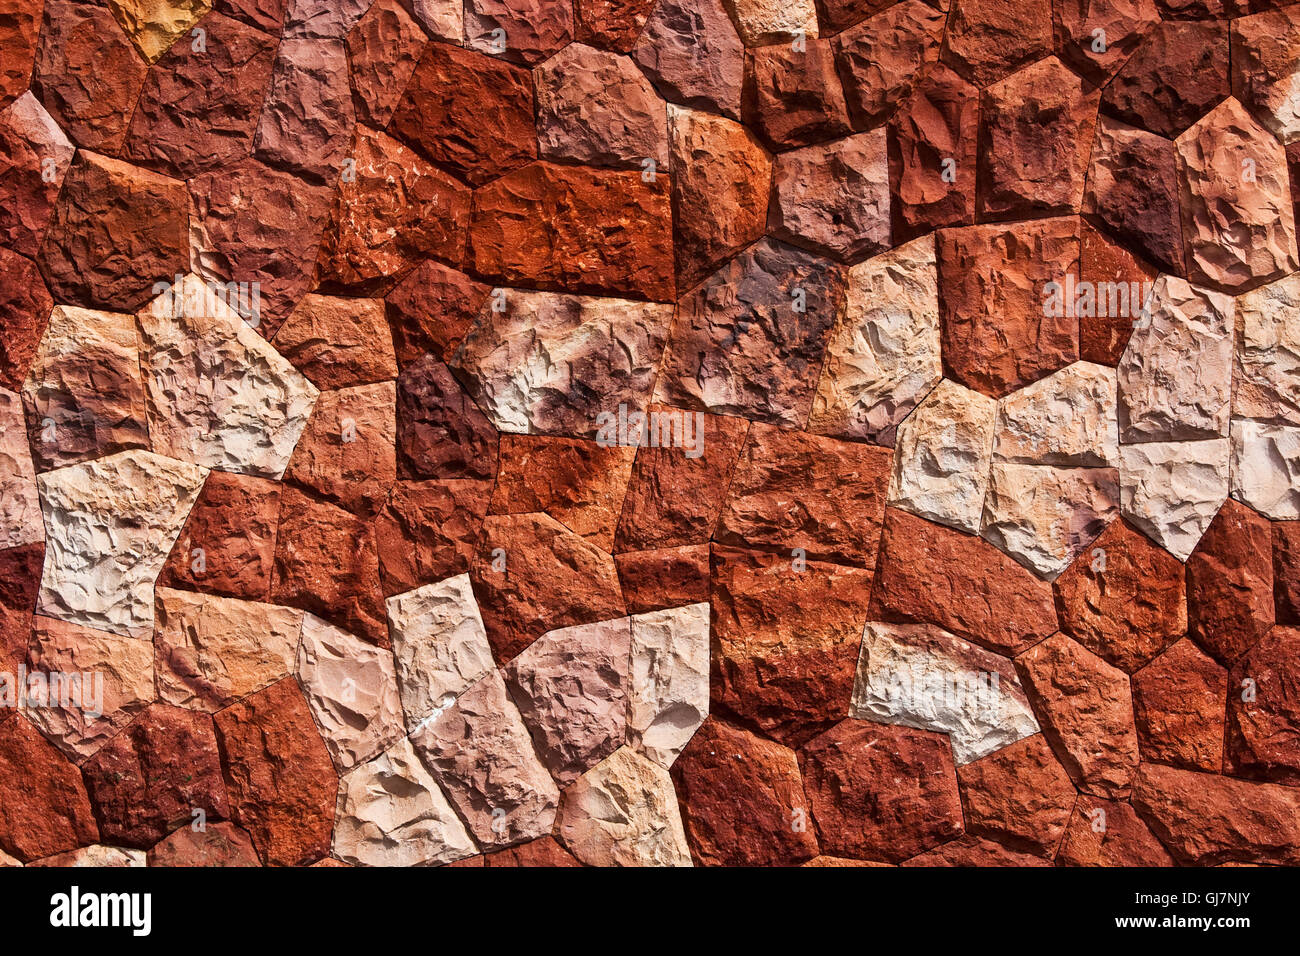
x,y
1266,383
98,856
110,525
668,686
114,680
1067,419
623,812
1266,468
7,860
1266,69
942,456
1043,516
391,812
154,25
763,22
218,394
20,504
1171,491
883,355
440,645
351,687
1175,376
211,651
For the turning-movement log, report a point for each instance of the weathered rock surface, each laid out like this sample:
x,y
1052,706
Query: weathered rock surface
x,y
1264,65
441,433
20,507
664,578
1229,583
690,51
1066,419
532,29
218,844
1170,491
668,680
24,308
1125,26
347,453
1262,711
881,58
43,807
97,855
793,96
1019,795
383,49
1286,571
337,342
427,531
19,33
1266,467
1178,704
1122,276
1173,79
1266,370
431,310
30,185
307,117
988,39
1106,833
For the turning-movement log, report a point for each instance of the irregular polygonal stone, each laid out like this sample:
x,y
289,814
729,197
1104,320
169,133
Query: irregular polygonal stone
x,y
37,157
942,455
611,24
1178,706
105,680
282,784
521,364
1173,79
921,676
347,452
96,856
155,774
427,531
1035,141
1106,833
1262,710
668,680
880,792
623,812
338,342
1170,491
1237,215
763,22
794,96
1264,68
664,577
882,57
24,309
834,198
441,433
1266,468
431,310
531,30
383,49
1019,795
576,229
1120,279
110,524
972,851
1123,598
18,36
480,752
988,39
219,844
153,25
1266,371
1230,583
721,182
393,813
1085,708
20,583
749,341
266,15
1286,571
20,507
307,117
690,51
1066,419
43,806
322,19
1124,25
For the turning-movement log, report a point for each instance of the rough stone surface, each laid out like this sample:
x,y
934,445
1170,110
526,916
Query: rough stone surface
x,y
988,39
882,58
690,51
427,531
1019,795
1171,491
1230,583
219,844
1178,704
1177,76
668,680
1106,833
441,433
25,308
1262,711
794,97
1266,368
1266,467
43,809
30,185
20,507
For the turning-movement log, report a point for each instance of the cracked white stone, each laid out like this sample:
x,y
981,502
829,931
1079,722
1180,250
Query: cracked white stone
x,y
20,503
1266,468
1066,419
1171,491
1266,377
110,525
668,687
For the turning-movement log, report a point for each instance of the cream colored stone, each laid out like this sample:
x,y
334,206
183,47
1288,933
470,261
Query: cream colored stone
x,y
1043,516
942,456
1266,468
7,860
1266,383
351,687
623,812
218,394
1175,376
440,645
1171,491
211,651
764,22
20,504
441,18
883,354
668,688
1067,419
96,855
391,812
110,525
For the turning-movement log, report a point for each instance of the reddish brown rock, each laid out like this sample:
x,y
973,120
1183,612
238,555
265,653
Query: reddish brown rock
x,y
471,114
267,15
973,851
549,578
440,431
794,97
995,336
1230,583
18,35
1124,25
884,56
1178,708
674,498
325,562
427,531
43,804
611,24
1085,708
307,117
989,39
1263,59
1286,571
116,230
227,545
338,342
664,578
1106,833
383,50
1205,819
282,784
431,310
741,345
544,852
1102,337
346,455
722,178
578,483
1018,795
1264,710
37,157
24,311
785,641
1123,598
533,29
87,73
792,491
199,108
393,210
932,152
1177,74
151,777
217,844
880,792
20,580
931,574
321,19
575,229
742,800
690,51
1034,142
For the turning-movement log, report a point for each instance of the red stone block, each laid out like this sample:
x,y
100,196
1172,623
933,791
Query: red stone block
x,y
794,97
1178,706
1264,710
43,804
664,578
25,307
1018,795
431,310
427,531
1230,583
440,431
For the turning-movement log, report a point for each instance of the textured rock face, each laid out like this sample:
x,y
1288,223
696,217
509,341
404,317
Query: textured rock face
x,y
95,856
31,185
307,117
1117,837
1265,468
988,39
1262,710
1266,370
1264,66
1229,583
1178,704
440,431
1019,794
1079,402
20,509
20,32
1177,75
219,844
43,807
338,342
383,49
794,97
427,531
691,52
668,680
664,578
533,29
431,310
1171,491
881,58
25,308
